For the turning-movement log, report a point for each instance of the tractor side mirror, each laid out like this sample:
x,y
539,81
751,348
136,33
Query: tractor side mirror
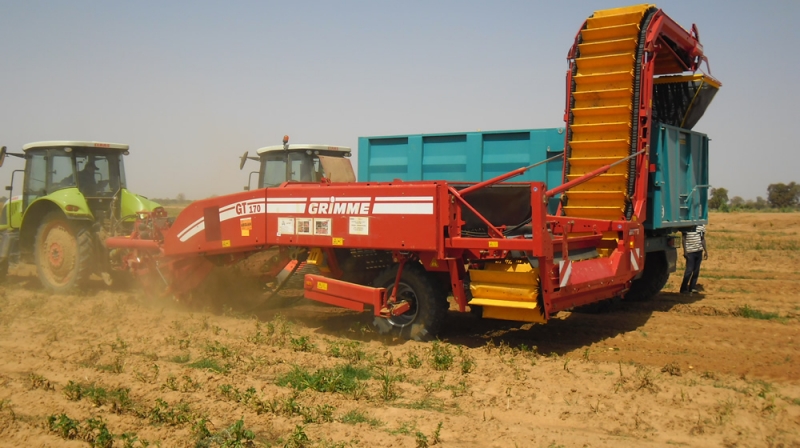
x,y
243,160
2,155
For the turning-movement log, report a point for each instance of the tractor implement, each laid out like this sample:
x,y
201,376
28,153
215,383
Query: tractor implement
x,y
401,248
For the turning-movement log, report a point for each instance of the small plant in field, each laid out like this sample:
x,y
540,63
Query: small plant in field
x,y
39,382
413,360
234,436
566,365
297,439
93,431
355,416
672,368
752,313
150,376
181,359
189,384
302,344
209,364
421,439
467,363
163,413
64,426
350,350
217,349
117,365
343,379
388,386
460,389
170,383
119,346
437,434
441,356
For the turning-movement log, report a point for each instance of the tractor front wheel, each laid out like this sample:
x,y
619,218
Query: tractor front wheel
x,y
424,319
63,254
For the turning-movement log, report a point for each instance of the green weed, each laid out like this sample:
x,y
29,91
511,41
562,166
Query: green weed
x,y
209,364
441,356
752,313
342,378
302,344
355,417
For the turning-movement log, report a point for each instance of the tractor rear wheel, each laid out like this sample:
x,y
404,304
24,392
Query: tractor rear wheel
x,y
63,254
653,279
423,321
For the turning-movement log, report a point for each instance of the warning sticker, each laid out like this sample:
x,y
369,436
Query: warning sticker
x,y
246,225
322,226
304,226
286,226
359,225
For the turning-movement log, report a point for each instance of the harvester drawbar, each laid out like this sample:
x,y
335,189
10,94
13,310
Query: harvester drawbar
x,y
402,248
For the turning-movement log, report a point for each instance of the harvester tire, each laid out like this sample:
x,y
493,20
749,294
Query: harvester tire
x,y
425,318
653,279
63,253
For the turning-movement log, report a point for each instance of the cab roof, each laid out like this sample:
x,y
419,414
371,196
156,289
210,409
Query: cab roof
x,y
304,147
77,144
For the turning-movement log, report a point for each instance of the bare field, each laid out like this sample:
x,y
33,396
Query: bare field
x,y
118,368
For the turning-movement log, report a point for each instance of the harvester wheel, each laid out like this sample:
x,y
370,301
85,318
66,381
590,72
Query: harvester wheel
x,y
653,279
424,320
63,254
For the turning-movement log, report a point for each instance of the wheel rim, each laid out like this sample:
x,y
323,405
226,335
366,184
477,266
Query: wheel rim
x,y
404,292
58,254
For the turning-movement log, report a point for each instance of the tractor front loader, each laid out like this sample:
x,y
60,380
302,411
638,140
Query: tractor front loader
x,y
73,197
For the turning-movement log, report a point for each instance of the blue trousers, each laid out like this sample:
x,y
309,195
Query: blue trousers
x,y
693,260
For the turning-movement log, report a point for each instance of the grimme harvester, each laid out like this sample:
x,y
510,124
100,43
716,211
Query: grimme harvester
x,y
492,244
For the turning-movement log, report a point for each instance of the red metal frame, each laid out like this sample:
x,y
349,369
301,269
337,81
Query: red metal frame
x,y
416,221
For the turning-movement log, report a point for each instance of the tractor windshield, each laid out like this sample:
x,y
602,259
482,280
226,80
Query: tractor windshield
x,y
279,167
98,174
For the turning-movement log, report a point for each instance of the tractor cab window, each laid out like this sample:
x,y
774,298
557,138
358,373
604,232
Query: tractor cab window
x,y
302,167
273,167
35,177
62,172
95,176
280,167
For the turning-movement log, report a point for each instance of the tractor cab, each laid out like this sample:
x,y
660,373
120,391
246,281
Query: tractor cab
x,y
301,163
93,171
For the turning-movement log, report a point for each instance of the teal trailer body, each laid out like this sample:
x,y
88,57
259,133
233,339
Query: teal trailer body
x,y
678,191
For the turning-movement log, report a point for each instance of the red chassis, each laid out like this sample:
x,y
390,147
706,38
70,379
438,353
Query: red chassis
x,y
420,222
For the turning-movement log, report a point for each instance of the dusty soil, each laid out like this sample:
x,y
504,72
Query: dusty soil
x,y
720,368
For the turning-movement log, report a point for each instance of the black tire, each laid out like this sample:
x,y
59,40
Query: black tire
x,y
653,279
63,253
425,318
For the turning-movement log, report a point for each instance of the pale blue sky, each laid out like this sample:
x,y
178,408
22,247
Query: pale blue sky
x,y
190,85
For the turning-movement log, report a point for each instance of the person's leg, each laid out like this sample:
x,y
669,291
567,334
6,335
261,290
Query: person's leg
x,y
696,270
687,274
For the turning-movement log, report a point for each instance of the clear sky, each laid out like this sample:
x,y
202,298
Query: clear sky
x,y
191,85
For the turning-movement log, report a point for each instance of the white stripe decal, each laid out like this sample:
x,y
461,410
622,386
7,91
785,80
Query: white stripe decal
x,y
634,262
637,253
192,231
407,208
403,198
299,207
565,277
180,234
287,199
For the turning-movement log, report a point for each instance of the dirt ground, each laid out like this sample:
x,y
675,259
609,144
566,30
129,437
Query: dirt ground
x,y
118,368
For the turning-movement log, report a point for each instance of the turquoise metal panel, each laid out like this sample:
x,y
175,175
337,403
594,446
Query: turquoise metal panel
x,y
468,156
678,193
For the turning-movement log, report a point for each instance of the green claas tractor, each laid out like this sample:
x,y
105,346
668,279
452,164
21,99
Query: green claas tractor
x,y
73,197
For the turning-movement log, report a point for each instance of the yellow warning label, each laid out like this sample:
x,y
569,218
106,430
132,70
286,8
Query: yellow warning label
x,y
338,241
226,243
434,263
245,232
246,223
322,286
493,243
